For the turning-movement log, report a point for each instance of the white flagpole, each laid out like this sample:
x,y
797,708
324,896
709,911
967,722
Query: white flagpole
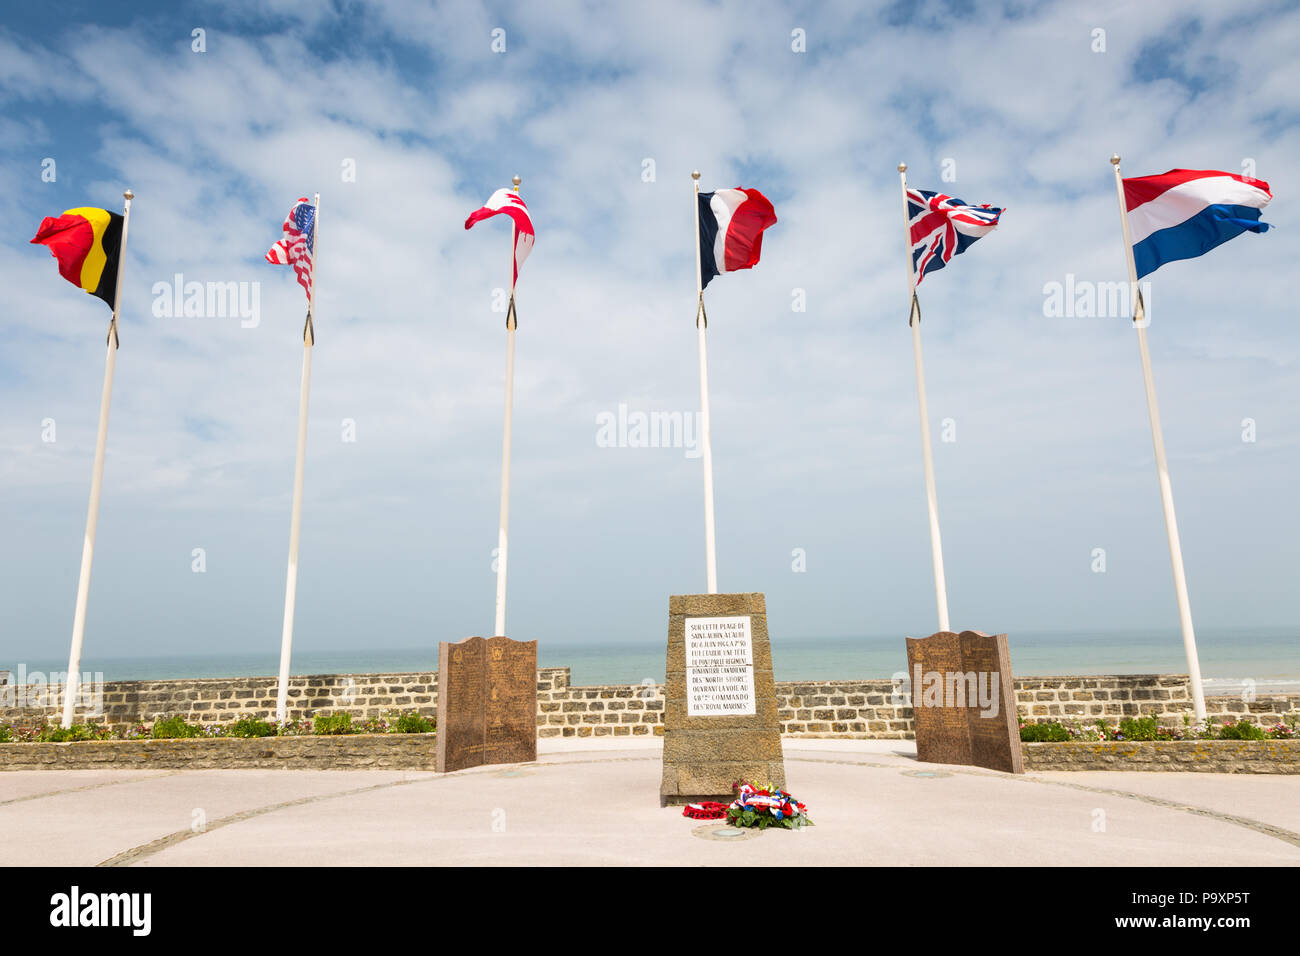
x,y
927,455
503,526
295,524
72,683
1162,465
701,324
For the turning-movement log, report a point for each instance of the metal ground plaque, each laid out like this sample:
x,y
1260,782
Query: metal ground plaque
x,y
720,721
963,701
487,702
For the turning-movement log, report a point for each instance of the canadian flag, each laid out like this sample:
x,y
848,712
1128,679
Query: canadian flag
x,y
507,201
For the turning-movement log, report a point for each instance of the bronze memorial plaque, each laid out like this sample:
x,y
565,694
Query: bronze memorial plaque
x,y
487,702
720,720
963,700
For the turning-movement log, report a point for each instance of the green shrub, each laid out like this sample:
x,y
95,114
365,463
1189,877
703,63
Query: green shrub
x,y
173,728
1052,732
251,727
333,724
1241,730
62,735
6,734
410,723
1138,728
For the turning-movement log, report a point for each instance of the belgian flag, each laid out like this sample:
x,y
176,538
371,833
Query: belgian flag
x,y
87,242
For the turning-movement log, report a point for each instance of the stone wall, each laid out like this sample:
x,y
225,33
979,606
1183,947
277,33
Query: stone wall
x,y
326,752
225,700
418,752
1178,756
882,708
860,708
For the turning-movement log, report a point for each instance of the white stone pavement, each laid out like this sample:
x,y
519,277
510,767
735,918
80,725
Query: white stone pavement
x,y
596,802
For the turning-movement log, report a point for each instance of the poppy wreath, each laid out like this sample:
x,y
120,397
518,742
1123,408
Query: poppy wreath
x,y
705,810
764,807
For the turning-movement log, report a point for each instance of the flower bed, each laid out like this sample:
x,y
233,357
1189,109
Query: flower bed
x,y
1141,743
1147,728
332,742
176,728
1281,756
302,752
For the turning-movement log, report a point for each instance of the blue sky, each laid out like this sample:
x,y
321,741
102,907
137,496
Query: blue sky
x,y
815,436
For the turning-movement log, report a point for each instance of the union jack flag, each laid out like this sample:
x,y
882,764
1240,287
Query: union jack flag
x,y
942,227
299,242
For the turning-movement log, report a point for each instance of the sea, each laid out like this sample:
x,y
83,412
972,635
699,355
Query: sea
x,y
1263,659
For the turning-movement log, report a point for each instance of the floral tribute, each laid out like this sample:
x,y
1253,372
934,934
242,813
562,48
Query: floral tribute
x,y
765,807
705,810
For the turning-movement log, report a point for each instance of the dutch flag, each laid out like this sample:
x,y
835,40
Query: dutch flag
x,y
731,230
1185,213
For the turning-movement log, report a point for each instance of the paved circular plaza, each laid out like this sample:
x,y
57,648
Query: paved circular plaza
x,y
595,802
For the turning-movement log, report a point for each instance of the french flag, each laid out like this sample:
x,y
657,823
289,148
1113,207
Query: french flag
x,y
731,230
1185,213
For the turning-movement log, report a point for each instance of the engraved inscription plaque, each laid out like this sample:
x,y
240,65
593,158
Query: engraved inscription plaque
x,y
719,666
487,702
963,700
511,735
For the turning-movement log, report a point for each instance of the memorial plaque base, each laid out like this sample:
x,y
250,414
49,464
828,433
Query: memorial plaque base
x,y
487,702
720,720
963,700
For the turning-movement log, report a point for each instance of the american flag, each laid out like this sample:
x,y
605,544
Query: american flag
x,y
299,242
942,227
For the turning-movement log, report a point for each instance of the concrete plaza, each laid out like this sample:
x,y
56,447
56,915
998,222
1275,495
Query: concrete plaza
x,y
595,802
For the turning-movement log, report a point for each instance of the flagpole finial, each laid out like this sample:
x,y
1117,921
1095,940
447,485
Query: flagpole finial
x,y
1114,159
902,167
516,180
695,175
128,194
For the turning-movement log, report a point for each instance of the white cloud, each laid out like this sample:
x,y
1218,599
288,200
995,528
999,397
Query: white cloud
x,y
814,413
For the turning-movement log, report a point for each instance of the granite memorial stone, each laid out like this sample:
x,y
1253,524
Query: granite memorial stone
x,y
963,701
487,702
720,712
